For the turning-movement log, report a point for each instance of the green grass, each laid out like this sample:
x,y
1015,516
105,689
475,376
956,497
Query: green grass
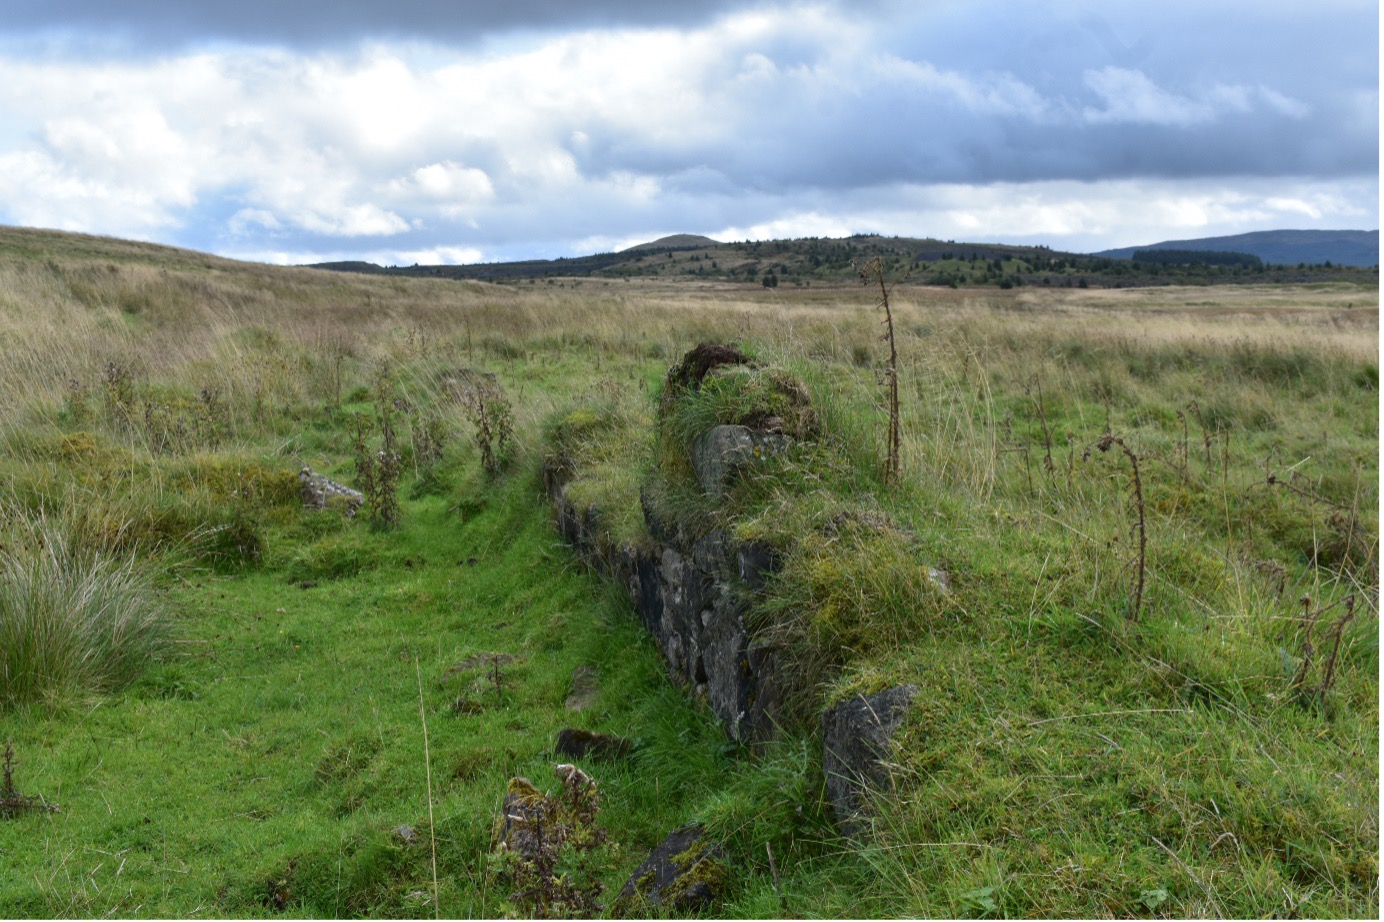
x,y
284,742
73,619
1061,760
1066,759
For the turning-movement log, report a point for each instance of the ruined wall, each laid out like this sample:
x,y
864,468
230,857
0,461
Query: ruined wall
x,y
691,595
692,590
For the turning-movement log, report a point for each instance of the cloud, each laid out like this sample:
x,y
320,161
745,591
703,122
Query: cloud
x,y
1082,217
309,23
449,181
625,121
797,224
247,220
352,221
1129,96
441,256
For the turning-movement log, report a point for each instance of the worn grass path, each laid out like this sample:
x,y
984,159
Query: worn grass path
x,y
264,771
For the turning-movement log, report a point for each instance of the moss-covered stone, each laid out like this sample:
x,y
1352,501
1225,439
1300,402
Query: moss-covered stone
x,y
685,873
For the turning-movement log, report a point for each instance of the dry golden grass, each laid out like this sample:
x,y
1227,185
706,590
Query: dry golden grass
x,y
70,303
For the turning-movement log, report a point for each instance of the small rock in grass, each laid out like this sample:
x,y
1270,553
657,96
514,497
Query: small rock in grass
x,y
685,873
578,744
857,742
321,492
585,689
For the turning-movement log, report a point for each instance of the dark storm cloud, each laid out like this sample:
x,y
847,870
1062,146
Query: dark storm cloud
x,y
281,129
312,23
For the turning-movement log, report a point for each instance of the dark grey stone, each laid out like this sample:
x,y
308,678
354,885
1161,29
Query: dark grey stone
x,y
721,451
755,562
711,552
685,873
759,694
857,735
684,588
646,592
580,744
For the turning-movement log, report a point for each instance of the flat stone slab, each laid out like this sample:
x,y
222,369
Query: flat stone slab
x,y
586,688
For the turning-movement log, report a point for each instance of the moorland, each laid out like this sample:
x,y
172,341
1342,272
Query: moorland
x,y
1129,560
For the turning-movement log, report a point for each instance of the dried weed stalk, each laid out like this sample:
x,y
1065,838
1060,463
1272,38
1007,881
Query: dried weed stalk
x,y
12,803
873,271
1310,620
1104,444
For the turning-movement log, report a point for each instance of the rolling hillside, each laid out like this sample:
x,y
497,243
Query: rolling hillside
x,y
1281,247
814,261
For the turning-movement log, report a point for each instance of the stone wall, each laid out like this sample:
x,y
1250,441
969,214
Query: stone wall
x,y
691,594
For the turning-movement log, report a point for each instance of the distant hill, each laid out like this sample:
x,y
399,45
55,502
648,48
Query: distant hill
x,y
836,261
353,265
1281,247
806,259
674,242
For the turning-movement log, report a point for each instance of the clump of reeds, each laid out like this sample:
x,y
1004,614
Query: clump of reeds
x,y
72,618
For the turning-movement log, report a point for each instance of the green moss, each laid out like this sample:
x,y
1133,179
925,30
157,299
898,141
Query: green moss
x,y
696,866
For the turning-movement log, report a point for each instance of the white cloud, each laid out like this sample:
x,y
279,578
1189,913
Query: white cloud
x,y
794,224
439,256
1284,104
989,94
247,219
1082,217
40,191
352,221
773,122
1130,96
450,181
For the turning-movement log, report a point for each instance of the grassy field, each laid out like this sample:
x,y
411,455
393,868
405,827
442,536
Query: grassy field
x,y
320,682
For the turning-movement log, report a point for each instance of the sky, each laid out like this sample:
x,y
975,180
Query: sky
x,y
452,131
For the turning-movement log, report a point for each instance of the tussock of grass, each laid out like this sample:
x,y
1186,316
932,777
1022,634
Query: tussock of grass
x,y
73,619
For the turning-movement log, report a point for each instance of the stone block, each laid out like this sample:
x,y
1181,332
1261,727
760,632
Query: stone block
x,y
857,736
722,451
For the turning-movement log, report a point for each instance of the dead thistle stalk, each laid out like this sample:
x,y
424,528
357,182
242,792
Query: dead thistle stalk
x,y
1104,444
873,270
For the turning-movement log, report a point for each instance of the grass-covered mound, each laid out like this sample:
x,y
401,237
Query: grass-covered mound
x,y
1184,725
